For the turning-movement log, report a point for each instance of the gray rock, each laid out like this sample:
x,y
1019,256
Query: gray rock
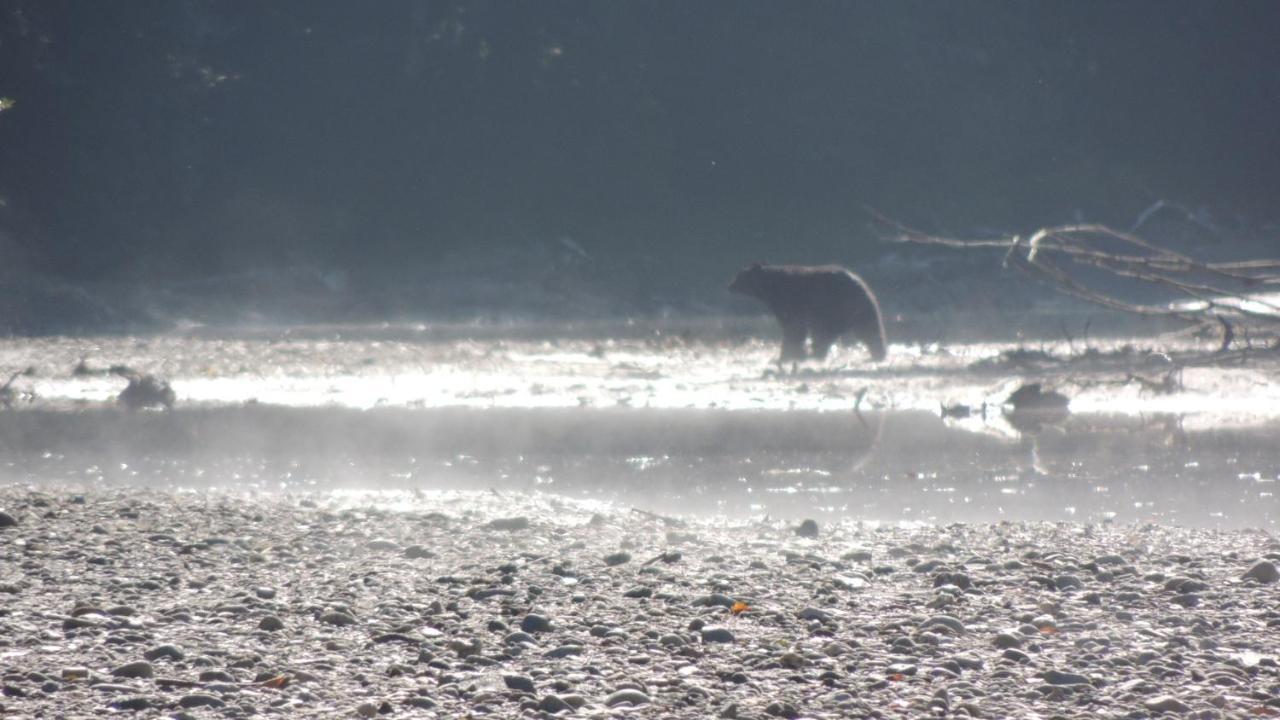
x,y
1016,655
617,558
519,637
1264,571
336,617
1068,582
713,600
1057,677
265,593
271,623
534,623
1166,703
200,700
716,634
563,651
139,669
813,613
554,704
1007,640
807,529
414,552
509,524
171,652
638,592
523,683
626,695
135,703
782,709
943,621
793,660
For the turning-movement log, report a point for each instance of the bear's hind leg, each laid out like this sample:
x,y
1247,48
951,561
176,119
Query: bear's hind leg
x,y
823,339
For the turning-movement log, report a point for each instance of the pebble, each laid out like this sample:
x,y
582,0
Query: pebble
x,y
782,709
523,683
1166,704
338,618
200,700
138,702
716,634
510,524
535,623
414,552
617,558
554,704
1008,640
1264,571
270,623
626,695
170,652
807,529
7,520
943,621
139,669
1057,677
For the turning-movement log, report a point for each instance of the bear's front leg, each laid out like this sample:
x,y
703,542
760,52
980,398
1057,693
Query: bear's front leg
x,y
793,336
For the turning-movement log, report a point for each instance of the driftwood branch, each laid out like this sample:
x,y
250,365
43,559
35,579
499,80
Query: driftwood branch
x,y
1224,294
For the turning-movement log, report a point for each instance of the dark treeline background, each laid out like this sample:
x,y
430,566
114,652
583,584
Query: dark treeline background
x,y
444,159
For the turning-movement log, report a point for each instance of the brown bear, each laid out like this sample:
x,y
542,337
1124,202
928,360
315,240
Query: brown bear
x,y
821,302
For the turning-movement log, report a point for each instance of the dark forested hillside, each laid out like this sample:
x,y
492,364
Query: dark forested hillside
x,y
364,145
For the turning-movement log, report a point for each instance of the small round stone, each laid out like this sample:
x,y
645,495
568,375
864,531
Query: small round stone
x,y
139,669
716,634
271,623
1264,571
627,695
534,623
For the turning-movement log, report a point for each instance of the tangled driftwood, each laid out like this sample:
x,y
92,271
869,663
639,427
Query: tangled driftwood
x,y
1230,294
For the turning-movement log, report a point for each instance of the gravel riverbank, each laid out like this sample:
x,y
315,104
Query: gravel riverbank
x,y
216,604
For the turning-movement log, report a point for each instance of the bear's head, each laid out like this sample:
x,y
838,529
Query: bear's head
x,y
749,281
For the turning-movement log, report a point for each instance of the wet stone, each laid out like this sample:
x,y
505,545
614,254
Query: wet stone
x,y
414,552
1166,704
807,529
167,652
617,558
1263,571
1007,640
782,709
716,634
554,704
139,669
134,703
628,696
337,618
534,623
271,623
1058,677
510,524
200,700
523,683
7,520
